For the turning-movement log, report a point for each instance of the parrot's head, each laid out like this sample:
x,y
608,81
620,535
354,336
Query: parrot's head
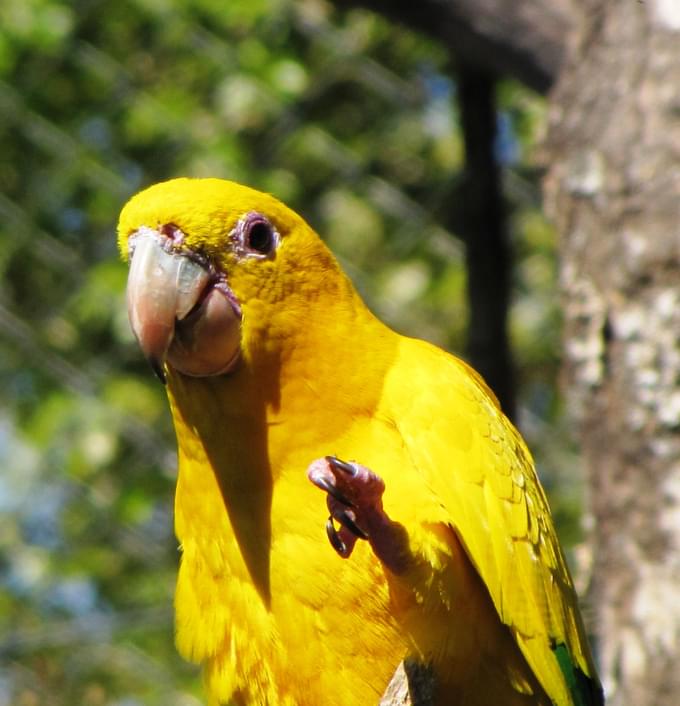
x,y
217,270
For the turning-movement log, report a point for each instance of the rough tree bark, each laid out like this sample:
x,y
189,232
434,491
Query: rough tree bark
x,y
614,186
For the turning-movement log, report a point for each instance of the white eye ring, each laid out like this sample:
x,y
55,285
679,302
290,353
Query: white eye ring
x,y
254,236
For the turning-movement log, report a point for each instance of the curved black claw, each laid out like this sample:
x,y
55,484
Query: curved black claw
x,y
346,521
334,537
333,491
342,465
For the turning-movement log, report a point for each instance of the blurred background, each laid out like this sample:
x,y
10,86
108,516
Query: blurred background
x,y
347,117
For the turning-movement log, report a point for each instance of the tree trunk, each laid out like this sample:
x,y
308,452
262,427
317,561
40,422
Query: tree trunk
x,y
614,188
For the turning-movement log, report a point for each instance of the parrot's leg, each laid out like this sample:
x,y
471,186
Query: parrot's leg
x,y
354,500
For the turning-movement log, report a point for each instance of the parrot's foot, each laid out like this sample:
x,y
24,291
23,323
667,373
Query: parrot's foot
x,y
354,500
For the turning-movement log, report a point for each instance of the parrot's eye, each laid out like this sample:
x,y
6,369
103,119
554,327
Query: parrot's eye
x,y
255,236
260,238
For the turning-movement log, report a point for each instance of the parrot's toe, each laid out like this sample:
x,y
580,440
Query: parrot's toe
x,y
353,498
346,519
323,483
349,468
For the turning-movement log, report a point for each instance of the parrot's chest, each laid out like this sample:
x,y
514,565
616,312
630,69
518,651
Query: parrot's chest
x,y
263,599
281,605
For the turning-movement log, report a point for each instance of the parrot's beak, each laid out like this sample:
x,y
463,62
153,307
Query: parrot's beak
x,y
179,310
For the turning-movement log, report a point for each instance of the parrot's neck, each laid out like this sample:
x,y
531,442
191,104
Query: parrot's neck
x,y
298,380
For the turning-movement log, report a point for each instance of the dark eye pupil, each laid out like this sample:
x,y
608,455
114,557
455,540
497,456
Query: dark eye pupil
x,y
260,238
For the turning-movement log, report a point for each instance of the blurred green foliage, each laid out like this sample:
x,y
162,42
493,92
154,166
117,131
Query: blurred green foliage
x,y
349,119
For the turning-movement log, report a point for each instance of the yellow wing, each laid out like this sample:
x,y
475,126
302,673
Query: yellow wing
x,y
480,469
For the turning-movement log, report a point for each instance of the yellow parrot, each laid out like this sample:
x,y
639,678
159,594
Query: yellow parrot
x,y
347,497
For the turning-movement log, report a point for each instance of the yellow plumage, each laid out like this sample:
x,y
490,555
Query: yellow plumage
x,y
274,614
